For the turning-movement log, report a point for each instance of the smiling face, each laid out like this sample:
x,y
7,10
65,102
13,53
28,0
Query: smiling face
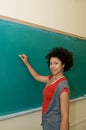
x,y
56,66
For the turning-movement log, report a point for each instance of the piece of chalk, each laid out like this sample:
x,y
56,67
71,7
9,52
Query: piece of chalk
x,y
19,55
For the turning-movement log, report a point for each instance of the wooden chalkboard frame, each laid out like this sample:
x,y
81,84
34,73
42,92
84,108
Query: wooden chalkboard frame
x,y
41,27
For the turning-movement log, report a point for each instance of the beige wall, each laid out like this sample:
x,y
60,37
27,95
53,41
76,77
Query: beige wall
x,y
64,15
33,121
78,115
26,122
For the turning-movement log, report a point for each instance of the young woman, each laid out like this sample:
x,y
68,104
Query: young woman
x,y
55,108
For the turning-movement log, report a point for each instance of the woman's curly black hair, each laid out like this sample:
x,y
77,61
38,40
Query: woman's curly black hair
x,y
64,55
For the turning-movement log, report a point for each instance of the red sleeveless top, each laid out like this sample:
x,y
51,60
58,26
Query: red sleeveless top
x,y
49,91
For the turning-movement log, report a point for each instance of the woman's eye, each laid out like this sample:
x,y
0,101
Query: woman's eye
x,y
50,63
55,63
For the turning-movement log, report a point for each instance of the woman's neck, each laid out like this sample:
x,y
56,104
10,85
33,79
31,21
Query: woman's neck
x,y
57,76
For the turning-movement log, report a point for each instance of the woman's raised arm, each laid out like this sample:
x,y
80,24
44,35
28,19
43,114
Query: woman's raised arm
x,y
32,71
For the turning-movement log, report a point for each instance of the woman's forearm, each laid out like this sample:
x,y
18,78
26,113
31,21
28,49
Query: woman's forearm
x,y
32,70
64,124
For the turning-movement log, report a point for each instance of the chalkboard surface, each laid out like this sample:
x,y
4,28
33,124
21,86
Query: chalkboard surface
x,y
18,90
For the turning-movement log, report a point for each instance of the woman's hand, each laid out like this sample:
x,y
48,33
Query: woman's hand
x,y
24,58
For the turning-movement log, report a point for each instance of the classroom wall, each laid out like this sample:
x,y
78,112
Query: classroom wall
x,y
64,15
78,114
32,121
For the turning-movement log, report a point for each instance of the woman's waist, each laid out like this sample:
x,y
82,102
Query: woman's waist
x,y
51,116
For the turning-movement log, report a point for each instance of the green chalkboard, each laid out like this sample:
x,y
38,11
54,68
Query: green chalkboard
x,y
18,90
